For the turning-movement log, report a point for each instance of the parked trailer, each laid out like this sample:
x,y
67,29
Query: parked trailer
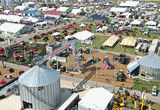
x,y
152,49
8,86
69,102
144,47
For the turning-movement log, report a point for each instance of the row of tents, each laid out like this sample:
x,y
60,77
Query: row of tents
x,y
125,42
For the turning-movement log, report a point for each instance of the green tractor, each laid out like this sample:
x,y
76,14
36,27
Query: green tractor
x,y
121,76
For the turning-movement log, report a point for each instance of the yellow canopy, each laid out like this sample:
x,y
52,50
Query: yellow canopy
x,y
128,41
111,41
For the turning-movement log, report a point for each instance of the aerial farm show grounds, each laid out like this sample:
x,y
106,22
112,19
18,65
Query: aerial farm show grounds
x,y
76,56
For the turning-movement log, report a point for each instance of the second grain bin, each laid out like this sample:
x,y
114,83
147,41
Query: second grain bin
x,y
40,88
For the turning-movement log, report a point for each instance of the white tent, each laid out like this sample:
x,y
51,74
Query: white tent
x,y
115,9
67,37
41,23
136,22
76,11
159,25
83,35
111,41
62,8
10,28
12,18
121,22
43,9
28,3
22,8
83,25
99,30
130,4
150,23
6,11
96,99
104,27
56,34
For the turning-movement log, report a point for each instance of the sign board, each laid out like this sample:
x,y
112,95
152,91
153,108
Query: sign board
x,y
59,50
60,59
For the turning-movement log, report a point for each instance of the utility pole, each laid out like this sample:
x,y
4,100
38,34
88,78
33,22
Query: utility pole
x,y
114,76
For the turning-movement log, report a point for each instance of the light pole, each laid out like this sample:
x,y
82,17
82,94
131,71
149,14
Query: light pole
x,y
114,77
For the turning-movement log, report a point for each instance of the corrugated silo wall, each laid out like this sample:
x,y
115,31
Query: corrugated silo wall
x,y
50,94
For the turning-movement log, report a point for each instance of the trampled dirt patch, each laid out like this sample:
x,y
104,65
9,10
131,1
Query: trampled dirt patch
x,y
102,74
6,71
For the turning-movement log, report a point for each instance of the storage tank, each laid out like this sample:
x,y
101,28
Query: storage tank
x,y
40,88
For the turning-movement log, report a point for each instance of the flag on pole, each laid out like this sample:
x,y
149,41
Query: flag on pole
x,y
136,34
159,36
105,65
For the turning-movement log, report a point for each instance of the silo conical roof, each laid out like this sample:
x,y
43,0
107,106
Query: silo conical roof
x,y
39,76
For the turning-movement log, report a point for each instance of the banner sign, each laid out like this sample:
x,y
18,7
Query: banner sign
x,y
60,59
55,52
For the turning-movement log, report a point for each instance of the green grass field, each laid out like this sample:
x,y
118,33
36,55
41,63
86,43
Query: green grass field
x,y
141,85
99,40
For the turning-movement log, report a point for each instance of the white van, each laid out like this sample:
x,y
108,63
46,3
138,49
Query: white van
x,y
154,91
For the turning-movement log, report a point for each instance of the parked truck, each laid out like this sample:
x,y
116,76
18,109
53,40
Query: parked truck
x,y
154,91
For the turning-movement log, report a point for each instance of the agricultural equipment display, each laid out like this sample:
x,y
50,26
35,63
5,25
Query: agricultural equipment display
x,y
121,76
122,58
91,61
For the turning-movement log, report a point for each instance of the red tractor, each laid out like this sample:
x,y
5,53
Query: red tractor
x,y
21,71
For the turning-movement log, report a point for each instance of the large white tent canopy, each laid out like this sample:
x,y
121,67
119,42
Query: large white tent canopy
x,y
41,23
62,8
22,8
150,23
136,22
83,35
115,9
68,36
111,41
12,18
56,34
130,4
10,27
96,99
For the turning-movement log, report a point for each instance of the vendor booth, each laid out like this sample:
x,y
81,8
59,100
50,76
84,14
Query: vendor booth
x,y
111,41
136,23
83,35
129,42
